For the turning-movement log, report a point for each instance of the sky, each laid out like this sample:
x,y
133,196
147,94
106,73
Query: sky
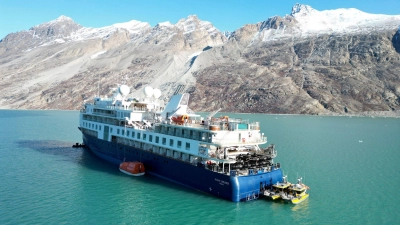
x,y
18,15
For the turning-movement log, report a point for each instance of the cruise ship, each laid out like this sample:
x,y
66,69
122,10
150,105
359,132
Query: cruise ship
x,y
220,156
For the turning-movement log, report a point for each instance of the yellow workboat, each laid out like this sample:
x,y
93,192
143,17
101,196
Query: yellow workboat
x,y
296,193
277,189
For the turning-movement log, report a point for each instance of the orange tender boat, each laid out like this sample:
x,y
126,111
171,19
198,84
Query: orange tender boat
x,y
132,168
180,119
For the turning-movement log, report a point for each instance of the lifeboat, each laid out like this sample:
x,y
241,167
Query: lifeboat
x,y
179,119
132,168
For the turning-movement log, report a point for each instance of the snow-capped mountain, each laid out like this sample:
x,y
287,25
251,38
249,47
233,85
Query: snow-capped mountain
x,y
340,20
62,27
306,21
54,31
309,61
133,27
192,23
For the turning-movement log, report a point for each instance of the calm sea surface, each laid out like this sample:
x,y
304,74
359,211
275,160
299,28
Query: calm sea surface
x,y
352,166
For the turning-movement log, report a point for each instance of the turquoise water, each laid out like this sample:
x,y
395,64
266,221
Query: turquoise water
x,y
351,165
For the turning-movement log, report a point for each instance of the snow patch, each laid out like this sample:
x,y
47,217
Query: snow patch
x,y
165,24
227,34
299,9
59,40
192,23
132,26
63,18
97,54
55,41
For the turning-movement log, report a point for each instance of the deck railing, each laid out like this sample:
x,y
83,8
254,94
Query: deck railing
x,y
244,141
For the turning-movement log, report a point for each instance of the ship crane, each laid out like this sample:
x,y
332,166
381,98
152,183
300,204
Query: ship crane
x,y
212,114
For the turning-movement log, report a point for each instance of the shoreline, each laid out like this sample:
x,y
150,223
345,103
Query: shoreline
x,y
380,114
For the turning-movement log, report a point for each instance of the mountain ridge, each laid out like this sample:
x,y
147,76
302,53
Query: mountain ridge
x,y
275,66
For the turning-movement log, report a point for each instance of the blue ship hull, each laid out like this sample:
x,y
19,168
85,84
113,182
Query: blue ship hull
x,y
230,187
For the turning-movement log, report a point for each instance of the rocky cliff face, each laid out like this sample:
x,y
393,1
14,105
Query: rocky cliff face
x,y
43,34
311,62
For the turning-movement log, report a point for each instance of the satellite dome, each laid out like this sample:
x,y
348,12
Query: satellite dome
x,y
156,93
148,91
124,90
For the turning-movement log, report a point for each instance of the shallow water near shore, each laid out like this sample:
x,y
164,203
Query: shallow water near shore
x,y
351,165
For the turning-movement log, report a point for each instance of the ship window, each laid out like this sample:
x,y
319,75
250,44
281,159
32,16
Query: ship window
x,y
117,131
123,132
144,136
157,139
99,127
150,138
171,142
179,144
138,136
187,146
133,134
164,141
127,133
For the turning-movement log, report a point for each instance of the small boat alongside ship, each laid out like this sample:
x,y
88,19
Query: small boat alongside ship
x,y
278,189
77,145
295,193
220,156
132,168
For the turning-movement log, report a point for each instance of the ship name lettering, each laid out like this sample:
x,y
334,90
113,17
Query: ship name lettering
x,y
222,182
